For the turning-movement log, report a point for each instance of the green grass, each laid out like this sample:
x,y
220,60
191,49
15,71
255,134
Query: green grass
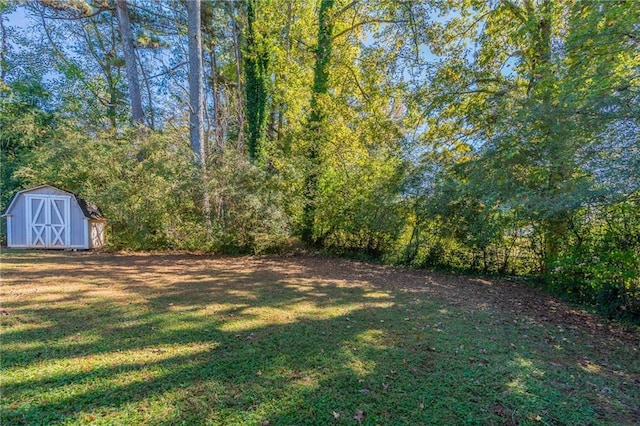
x,y
184,339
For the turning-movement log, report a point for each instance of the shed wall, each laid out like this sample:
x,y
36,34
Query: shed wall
x,y
19,222
78,225
96,238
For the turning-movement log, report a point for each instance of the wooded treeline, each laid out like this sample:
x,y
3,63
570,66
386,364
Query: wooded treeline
x,y
496,136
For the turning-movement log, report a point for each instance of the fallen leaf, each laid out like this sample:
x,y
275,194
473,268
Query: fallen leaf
x,y
336,415
359,415
364,390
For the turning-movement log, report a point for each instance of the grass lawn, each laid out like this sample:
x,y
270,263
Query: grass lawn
x,y
187,339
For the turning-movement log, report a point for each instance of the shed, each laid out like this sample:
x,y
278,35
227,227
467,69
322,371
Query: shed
x,y
50,218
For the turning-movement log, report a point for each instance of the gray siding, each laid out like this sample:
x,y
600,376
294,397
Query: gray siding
x,y
19,221
78,224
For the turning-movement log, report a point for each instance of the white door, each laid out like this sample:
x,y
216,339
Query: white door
x,y
48,221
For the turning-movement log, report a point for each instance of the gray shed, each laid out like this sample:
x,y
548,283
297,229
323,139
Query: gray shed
x,y
48,217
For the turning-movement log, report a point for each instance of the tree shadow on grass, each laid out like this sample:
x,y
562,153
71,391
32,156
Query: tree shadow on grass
x,y
192,312
198,340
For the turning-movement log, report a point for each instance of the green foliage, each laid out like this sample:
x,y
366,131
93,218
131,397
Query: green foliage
x,y
359,209
602,266
147,187
319,132
610,280
24,125
143,183
248,206
523,133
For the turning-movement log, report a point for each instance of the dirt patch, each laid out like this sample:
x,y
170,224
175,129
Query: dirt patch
x,y
500,295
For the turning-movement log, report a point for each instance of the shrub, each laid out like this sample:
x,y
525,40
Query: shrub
x,y
247,203
603,267
152,194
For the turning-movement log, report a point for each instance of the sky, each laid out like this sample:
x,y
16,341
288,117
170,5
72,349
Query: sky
x,y
18,19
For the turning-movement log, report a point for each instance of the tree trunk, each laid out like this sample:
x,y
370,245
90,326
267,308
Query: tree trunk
x,y
235,32
150,119
209,41
196,90
256,62
316,118
557,151
280,108
3,50
196,97
217,109
130,62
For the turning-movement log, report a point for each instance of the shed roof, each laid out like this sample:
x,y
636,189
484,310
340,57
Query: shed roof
x,y
89,209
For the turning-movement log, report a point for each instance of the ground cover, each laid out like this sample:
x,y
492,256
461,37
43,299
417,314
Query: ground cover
x,y
187,339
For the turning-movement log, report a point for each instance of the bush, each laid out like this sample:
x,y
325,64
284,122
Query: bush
x,y
603,267
152,194
141,182
609,280
359,211
247,204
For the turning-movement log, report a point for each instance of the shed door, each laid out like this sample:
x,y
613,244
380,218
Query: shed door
x,y
48,221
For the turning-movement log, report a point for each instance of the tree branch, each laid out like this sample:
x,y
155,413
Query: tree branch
x,y
369,21
513,8
347,7
167,71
